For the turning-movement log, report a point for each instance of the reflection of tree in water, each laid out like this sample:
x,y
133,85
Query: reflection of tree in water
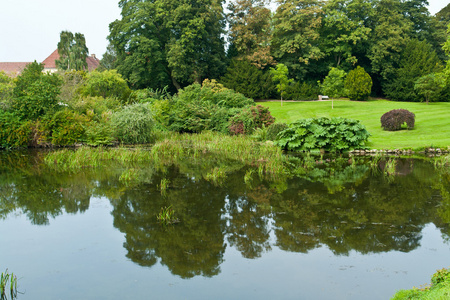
x,y
192,247
40,194
374,216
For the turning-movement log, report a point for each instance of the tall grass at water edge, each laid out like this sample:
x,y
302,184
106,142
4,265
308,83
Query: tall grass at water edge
x,y
171,147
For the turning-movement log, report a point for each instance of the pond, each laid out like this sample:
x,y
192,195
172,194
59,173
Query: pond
x,y
343,228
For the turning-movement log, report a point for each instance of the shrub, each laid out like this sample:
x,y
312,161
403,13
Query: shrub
x,y
66,127
106,84
6,90
302,91
14,133
394,119
358,84
72,83
99,132
249,119
133,124
246,78
274,129
335,134
35,93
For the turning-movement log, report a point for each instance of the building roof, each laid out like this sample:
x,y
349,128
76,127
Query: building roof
x,y
49,63
13,68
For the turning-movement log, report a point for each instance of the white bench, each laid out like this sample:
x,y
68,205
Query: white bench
x,y
322,97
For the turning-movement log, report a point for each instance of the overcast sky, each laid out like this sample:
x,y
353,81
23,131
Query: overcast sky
x,y
29,29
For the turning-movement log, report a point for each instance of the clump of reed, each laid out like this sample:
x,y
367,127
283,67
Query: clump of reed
x,y
4,279
167,216
217,176
164,185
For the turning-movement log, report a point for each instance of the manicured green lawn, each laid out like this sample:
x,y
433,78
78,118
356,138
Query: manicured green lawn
x,y
432,126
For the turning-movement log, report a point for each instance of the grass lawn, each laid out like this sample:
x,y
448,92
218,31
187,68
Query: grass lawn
x,y
432,125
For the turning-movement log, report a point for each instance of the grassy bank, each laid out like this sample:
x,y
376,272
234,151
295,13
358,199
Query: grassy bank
x,y
432,126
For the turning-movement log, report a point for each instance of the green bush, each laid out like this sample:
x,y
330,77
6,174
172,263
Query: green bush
x,y
95,106
358,84
335,134
6,90
14,133
99,132
245,78
73,81
302,91
274,129
35,93
106,84
249,119
197,108
133,124
394,119
66,127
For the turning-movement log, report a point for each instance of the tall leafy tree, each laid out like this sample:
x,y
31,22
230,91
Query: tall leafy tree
x,y
250,30
280,77
417,59
390,35
333,84
73,51
345,29
169,41
295,40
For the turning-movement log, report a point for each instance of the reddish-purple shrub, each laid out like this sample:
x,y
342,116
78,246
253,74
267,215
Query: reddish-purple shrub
x,y
249,119
394,119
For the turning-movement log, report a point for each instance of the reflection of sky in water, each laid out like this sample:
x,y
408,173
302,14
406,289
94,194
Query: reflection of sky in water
x,y
81,256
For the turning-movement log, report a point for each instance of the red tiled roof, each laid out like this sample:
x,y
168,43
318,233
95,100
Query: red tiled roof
x,y
13,68
49,62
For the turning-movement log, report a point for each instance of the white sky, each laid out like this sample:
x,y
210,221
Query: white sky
x,y
29,29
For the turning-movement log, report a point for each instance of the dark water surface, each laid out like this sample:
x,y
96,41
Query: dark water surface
x,y
341,229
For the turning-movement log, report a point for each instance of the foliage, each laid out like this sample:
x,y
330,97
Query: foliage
x,y
333,84
358,84
108,83
417,59
6,90
155,49
35,93
245,78
71,87
302,91
72,51
394,119
274,129
250,31
430,86
280,76
66,127
133,124
14,133
439,288
197,108
250,119
332,134
389,37
295,40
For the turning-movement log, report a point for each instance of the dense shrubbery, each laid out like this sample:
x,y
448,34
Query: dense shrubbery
x,y
335,134
106,84
302,91
249,119
66,127
274,129
245,78
394,119
13,132
358,84
133,124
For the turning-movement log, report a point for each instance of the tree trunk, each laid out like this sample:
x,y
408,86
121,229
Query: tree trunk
x,y
175,83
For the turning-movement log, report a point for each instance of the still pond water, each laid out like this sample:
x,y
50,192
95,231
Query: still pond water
x,y
341,230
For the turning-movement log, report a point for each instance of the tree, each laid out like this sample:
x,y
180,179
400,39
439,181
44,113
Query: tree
x,y
280,75
6,90
35,93
156,48
109,59
344,29
358,84
417,59
246,78
430,86
333,84
389,37
250,30
72,51
295,41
